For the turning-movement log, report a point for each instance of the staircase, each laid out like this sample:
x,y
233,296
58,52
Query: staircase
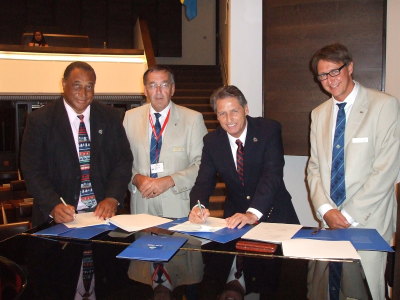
x,y
193,88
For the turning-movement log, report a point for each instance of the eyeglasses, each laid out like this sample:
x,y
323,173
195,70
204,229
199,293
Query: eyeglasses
x,y
332,73
162,85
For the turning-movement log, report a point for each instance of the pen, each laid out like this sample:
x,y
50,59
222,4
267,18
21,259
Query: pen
x,y
316,231
63,202
201,209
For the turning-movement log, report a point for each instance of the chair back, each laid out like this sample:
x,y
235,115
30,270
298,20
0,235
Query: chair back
x,y
13,279
11,229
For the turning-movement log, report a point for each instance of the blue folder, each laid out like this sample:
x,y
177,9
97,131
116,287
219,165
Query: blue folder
x,y
84,233
362,238
153,248
222,236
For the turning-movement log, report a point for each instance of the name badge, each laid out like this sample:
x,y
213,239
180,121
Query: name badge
x,y
157,168
359,140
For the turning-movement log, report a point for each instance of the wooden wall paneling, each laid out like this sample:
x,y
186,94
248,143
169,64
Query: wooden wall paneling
x,y
68,16
12,21
121,21
94,21
292,31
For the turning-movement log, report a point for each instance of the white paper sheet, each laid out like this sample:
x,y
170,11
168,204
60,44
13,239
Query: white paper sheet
x,y
137,222
211,225
272,232
85,220
305,248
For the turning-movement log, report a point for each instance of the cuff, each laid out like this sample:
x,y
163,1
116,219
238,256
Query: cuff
x,y
255,212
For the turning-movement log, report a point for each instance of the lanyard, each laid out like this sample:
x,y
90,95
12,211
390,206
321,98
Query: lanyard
x,y
157,137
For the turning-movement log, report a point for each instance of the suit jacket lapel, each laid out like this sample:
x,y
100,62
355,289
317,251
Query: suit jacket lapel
x,y
65,128
357,114
326,126
226,153
144,125
170,131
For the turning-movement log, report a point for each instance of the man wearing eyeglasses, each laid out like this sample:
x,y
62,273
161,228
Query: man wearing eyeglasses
x,y
355,141
166,142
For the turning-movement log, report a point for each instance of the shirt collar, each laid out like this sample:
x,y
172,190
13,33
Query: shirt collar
x,y
72,115
242,137
163,113
350,97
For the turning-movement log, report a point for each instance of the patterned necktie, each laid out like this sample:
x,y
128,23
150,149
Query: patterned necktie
x,y
239,160
155,145
338,187
87,195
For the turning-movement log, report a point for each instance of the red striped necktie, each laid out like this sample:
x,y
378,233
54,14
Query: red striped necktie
x,y
239,160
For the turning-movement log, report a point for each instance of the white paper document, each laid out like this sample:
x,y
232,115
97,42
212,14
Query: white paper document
x,y
306,248
137,222
211,225
85,220
272,232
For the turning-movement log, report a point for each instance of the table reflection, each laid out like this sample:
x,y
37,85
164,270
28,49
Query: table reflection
x,y
199,270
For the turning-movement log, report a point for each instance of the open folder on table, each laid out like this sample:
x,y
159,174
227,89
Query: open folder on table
x,y
272,232
303,248
362,238
80,233
223,235
153,248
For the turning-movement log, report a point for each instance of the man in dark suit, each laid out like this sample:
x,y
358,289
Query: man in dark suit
x,y
55,166
254,179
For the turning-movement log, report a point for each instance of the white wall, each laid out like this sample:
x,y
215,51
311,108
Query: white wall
x,y
245,51
198,37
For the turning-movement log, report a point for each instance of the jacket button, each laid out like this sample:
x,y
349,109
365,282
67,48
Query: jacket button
x,y
248,197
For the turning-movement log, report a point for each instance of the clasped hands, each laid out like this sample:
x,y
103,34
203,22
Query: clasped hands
x,y
105,209
238,220
152,187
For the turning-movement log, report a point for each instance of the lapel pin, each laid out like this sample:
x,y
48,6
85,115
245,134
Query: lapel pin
x,y
255,140
100,131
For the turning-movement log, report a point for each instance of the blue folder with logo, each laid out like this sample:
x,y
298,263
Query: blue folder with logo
x,y
222,236
362,238
153,248
84,233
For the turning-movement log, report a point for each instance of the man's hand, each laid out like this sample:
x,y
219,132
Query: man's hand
x,y
106,208
152,187
239,220
198,216
335,219
62,213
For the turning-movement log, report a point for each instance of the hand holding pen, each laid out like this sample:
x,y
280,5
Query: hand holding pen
x,y
199,214
63,213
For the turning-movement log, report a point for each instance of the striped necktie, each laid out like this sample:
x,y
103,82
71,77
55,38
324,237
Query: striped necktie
x,y
338,186
155,145
239,160
87,195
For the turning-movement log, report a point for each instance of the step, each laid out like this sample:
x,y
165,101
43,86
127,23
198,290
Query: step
x,y
191,100
211,124
218,213
193,92
209,116
200,107
199,85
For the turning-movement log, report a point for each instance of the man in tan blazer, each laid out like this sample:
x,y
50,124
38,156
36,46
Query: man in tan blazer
x,y
162,187
180,155
371,156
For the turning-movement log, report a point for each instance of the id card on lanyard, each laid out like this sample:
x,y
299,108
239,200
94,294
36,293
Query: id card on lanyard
x,y
157,167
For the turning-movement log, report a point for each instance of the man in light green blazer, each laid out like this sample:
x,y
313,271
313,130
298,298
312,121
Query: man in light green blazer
x,y
371,156
180,155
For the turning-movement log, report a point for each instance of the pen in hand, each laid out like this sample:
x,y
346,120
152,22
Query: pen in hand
x,y
201,210
63,202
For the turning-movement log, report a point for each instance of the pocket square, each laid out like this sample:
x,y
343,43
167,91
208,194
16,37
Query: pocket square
x,y
178,149
359,140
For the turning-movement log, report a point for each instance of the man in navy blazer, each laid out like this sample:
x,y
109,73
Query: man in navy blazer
x,y
51,168
262,195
